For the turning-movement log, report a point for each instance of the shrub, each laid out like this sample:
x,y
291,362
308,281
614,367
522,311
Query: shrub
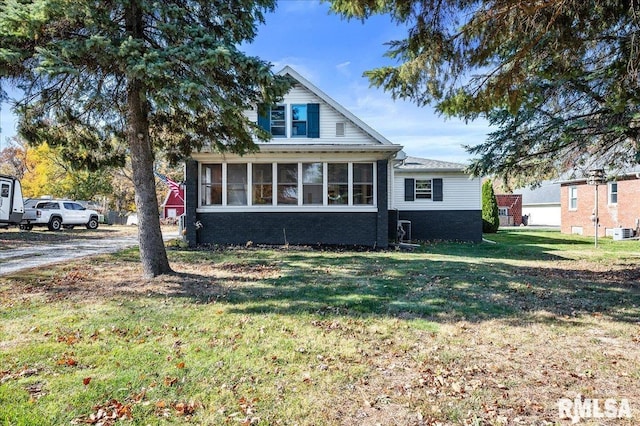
x,y
490,218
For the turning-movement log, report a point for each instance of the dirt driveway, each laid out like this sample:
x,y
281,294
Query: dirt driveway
x,y
21,250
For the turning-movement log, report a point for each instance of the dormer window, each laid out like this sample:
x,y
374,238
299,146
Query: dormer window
x,y
278,121
298,120
303,121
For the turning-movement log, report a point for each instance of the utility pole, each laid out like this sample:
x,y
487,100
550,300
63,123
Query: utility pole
x,y
596,177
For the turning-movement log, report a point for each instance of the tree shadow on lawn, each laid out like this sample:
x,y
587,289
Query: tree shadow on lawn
x,y
401,285
416,287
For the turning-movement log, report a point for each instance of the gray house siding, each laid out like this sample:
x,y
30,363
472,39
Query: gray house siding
x,y
429,225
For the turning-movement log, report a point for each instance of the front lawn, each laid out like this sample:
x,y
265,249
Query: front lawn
x,y
453,334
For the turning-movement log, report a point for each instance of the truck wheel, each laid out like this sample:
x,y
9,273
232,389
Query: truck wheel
x,y
93,223
55,224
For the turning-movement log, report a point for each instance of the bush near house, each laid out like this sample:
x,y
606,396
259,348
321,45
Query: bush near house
x,y
490,216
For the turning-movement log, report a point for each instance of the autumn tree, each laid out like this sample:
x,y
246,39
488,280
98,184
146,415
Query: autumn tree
x,y
128,77
12,159
46,172
558,80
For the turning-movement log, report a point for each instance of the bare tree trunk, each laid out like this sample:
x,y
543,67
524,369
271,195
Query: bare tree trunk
x,y
153,254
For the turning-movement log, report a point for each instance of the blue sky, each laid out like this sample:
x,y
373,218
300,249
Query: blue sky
x,y
333,54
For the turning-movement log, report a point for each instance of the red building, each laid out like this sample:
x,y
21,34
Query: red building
x,y
509,209
618,205
173,206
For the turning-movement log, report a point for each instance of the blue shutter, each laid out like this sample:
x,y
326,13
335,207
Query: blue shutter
x,y
437,189
409,189
263,117
313,120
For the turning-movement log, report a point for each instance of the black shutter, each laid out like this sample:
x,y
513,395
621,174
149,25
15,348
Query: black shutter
x,y
409,189
437,189
313,120
263,117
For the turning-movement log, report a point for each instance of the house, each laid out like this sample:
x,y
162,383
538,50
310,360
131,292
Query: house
x,y
509,209
173,205
325,177
618,205
541,205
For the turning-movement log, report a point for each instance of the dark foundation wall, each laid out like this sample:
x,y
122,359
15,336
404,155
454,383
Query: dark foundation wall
x,y
299,228
455,225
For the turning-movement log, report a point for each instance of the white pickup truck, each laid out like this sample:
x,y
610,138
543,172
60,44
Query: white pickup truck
x,y
58,214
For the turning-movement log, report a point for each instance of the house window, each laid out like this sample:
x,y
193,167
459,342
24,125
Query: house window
x,y
340,129
211,181
278,120
423,189
292,184
338,183
236,184
312,183
303,121
298,120
613,192
262,181
573,198
287,183
503,211
362,183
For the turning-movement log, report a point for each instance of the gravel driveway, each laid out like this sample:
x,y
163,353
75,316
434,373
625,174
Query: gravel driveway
x,y
17,259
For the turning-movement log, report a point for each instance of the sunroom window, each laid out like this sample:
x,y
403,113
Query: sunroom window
x,y
287,183
262,178
211,181
338,183
312,183
236,184
303,185
362,183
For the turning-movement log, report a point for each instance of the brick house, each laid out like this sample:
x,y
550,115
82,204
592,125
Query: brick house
x,y
618,205
509,209
325,177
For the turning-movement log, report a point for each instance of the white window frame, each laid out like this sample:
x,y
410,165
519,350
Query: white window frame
x,y
420,194
300,206
573,198
610,193
286,122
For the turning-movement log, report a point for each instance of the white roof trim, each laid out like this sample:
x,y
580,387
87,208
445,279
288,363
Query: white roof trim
x,y
355,120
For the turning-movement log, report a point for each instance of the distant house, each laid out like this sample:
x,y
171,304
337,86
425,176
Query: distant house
x,y
618,205
173,205
541,205
325,177
509,209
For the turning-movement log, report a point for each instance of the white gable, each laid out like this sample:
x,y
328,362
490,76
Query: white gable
x,y
330,131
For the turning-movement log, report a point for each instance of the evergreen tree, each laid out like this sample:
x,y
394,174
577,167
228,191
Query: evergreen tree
x,y
558,79
117,78
490,214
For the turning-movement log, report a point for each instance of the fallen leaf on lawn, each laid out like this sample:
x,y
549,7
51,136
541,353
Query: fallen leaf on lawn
x,y
180,365
86,381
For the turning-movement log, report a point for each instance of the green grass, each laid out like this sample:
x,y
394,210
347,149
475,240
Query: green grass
x,y
451,333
